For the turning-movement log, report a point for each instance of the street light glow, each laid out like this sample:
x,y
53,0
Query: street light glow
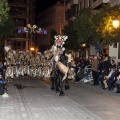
x,y
32,48
115,23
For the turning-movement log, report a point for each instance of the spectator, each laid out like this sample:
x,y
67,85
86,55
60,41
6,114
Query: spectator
x,y
117,82
2,87
95,70
77,68
113,63
109,77
106,64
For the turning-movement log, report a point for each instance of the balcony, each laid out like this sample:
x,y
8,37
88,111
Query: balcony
x,y
20,22
17,2
68,14
74,8
67,1
18,5
96,4
75,1
18,12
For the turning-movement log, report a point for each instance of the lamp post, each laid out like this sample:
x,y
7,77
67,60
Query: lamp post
x,y
32,48
116,24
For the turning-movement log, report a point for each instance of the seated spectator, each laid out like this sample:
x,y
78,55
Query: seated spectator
x,y
111,81
117,83
79,70
113,63
101,76
87,62
109,77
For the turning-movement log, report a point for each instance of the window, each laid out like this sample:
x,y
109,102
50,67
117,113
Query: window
x,y
89,3
83,3
94,0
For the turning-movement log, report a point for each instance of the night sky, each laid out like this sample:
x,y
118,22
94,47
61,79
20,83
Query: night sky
x,y
41,5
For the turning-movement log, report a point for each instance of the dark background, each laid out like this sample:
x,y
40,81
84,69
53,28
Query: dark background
x,y
41,5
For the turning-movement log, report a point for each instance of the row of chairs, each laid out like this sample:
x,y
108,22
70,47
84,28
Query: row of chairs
x,y
87,78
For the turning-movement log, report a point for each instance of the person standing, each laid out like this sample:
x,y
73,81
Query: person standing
x,y
2,87
107,64
95,70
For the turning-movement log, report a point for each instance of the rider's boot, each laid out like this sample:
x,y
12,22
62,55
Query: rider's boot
x,y
61,93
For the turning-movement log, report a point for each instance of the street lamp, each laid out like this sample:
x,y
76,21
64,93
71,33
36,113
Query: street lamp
x,y
32,48
116,24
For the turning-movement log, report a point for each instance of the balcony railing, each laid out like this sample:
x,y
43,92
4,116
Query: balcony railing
x,y
96,3
18,1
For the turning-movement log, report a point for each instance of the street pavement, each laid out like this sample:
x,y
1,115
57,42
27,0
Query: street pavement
x,y
32,99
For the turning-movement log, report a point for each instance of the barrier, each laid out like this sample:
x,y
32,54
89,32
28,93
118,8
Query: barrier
x,y
88,78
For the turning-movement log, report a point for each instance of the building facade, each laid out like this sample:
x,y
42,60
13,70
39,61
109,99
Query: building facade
x,y
51,18
58,15
22,13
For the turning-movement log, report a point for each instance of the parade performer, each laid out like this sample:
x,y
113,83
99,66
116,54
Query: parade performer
x,y
10,62
21,63
61,65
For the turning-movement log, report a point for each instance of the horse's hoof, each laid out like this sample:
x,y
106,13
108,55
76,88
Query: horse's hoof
x,y
67,87
57,90
62,93
52,88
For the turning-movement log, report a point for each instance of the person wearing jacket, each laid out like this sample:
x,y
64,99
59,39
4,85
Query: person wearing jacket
x,y
94,68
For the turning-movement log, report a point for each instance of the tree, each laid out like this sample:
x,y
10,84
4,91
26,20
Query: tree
x,y
104,31
84,25
72,42
52,34
6,30
4,11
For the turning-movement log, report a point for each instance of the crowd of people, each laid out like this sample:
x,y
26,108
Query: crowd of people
x,y
105,71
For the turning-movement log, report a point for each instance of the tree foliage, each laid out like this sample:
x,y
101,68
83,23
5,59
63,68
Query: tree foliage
x,y
4,11
103,22
84,25
7,25
71,42
97,28
7,29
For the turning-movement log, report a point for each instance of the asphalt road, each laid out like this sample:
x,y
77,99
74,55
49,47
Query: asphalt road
x,y
32,99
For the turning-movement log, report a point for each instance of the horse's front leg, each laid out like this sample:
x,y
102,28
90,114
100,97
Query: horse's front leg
x,y
57,84
52,83
61,86
67,87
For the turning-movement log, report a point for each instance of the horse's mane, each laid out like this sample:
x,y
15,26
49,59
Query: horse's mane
x,y
64,58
